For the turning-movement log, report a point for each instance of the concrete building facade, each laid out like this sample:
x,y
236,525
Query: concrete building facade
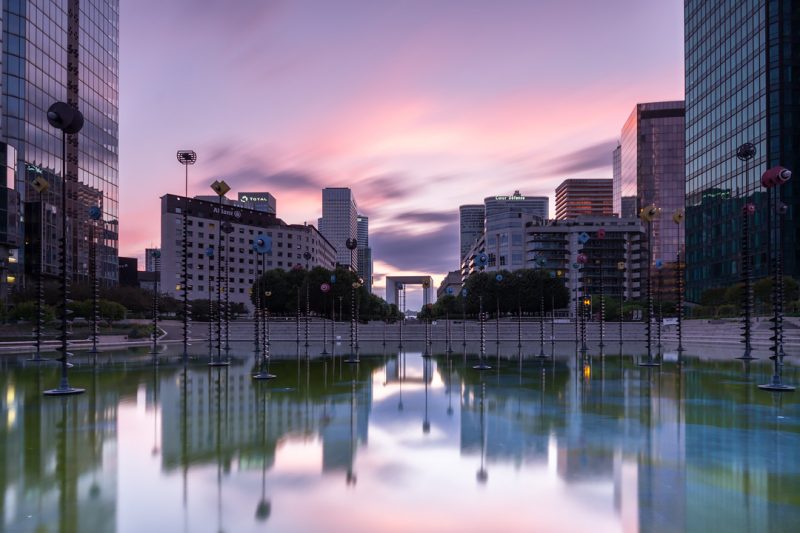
x,y
290,242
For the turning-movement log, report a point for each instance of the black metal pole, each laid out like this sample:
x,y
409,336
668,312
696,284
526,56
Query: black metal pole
x,y
541,314
155,313
93,285
482,353
185,266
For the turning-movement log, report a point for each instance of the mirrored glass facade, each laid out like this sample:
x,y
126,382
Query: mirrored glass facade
x,y
742,62
53,51
652,172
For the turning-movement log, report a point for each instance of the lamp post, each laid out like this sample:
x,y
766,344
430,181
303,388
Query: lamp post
x,y
482,353
69,120
402,312
227,229
156,254
185,158
746,152
41,186
677,218
210,256
600,235
772,179
540,261
325,288
307,257
464,317
659,291
499,279
262,244
648,214
621,270
221,188
353,325
584,302
95,214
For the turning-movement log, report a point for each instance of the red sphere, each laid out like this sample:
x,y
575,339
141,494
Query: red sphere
x,y
749,209
582,259
601,233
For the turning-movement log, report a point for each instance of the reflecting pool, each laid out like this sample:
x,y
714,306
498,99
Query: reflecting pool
x,y
399,443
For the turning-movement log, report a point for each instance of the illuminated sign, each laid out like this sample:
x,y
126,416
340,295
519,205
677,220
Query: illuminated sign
x,y
228,212
512,198
245,197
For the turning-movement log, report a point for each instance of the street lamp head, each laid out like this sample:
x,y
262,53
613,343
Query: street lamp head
x,y
678,216
746,152
351,244
95,213
65,117
775,177
187,157
649,213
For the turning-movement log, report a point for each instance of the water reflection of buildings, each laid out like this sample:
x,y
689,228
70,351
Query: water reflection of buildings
x,y
58,457
253,420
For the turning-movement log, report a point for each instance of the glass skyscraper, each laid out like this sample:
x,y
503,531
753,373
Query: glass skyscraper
x,y
471,220
65,50
338,223
652,171
742,60
364,251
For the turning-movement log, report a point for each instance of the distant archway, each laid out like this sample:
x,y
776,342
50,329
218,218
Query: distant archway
x,y
394,284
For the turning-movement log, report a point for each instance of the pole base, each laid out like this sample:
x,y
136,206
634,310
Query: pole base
x,y
426,355
264,375
219,363
649,363
777,387
324,352
63,391
481,366
747,357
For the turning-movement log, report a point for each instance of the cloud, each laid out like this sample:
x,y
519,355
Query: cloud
x,y
426,217
253,178
434,251
597,155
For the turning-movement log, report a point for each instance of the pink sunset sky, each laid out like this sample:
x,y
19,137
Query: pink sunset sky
x,y
417,105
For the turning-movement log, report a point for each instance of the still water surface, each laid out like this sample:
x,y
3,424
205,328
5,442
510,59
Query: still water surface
x,y
399,443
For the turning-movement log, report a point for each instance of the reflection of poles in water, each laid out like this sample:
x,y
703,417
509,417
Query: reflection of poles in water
x,y
482,353
552,318
184,408
449,387
401,365
426,371
483,475
308,310
464,318
154,450
351,475
219,442
264,507
67,508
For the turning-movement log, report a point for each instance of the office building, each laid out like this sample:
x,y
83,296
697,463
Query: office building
x,y
290,242
505,227
584,197
338,223
450,285
558,242
128,271
652,171
471,221
260,201
364,251
9,220
741,61
63,51
152,259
